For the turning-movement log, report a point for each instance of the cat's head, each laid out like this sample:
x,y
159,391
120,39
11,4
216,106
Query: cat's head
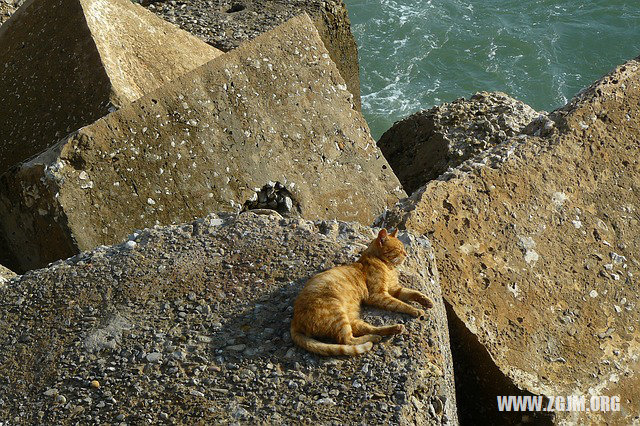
x,y
388,248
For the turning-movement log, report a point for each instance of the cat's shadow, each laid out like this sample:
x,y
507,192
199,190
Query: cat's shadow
x,y
261,329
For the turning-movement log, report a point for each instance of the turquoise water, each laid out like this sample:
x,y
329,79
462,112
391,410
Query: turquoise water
x,y
415,54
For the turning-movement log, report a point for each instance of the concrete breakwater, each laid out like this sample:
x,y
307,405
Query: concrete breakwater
x,y
178,195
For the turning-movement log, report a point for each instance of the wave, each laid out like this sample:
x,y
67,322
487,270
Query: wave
x,y
415,54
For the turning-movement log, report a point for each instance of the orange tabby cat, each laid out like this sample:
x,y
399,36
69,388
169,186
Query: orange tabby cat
x,y
329,305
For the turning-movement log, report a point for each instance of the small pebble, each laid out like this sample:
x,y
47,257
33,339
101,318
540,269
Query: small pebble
x,y
325,401
154,357
51,392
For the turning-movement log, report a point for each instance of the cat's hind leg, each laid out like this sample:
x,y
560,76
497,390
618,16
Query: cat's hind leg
x,y
345,335
366,338
361,328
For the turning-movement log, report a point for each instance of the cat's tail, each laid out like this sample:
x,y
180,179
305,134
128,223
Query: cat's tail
x,y
321,348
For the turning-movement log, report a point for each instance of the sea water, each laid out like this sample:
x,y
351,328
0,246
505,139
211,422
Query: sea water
x,y
415,54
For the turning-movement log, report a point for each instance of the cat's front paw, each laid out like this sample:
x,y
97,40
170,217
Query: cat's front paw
x,y
398,329
418,313
426,302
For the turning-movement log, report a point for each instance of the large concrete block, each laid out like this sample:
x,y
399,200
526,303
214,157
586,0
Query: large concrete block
x,y
424,145
66,63
190,324
275,109
228,23
539,254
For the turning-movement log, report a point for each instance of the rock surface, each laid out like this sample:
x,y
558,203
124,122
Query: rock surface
x,y
273,196
424,145
537,247
66,63
7,8
227,24
189,324
198,145
5,274
275,110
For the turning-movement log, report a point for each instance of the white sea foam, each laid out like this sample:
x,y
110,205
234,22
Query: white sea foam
x,y
414,53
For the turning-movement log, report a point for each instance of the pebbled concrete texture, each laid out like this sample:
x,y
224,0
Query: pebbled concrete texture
x,y
275,109
5,274
189,324
227,24
67,63
536,242
426,144
8,8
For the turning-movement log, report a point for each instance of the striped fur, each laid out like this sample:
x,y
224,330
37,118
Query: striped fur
x,y
329,305
321,348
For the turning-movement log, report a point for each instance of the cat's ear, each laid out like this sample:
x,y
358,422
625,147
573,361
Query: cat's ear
x,y
395,232
382,236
